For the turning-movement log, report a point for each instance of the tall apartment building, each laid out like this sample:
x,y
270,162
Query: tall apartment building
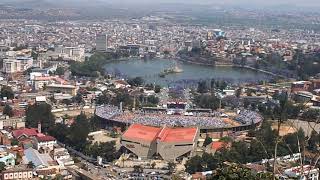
x,y
101,42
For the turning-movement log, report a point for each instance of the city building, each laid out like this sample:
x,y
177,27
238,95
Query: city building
x,y
141,140
173,143
62,88
71,53
17,64
101,42
306,173
62,156
7,158
17,173
40,82
44,142
24,133
300,86
40,161
169,143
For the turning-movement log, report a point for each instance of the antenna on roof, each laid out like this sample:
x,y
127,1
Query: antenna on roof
x,y
39,127
120,106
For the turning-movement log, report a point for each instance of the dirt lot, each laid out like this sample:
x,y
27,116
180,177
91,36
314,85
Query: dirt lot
x,y
285,128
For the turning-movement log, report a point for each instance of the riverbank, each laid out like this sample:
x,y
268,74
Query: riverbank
x,y
232,65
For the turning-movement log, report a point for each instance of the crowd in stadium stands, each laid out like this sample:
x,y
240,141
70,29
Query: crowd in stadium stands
x,y
107,111
176,120
160,118
247,117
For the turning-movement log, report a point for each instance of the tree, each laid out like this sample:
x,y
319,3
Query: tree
x,y
6,91
60,132
153,99
58,177
106,150
171,167
207,141
137,81
209,162
282,115
246,103
96,123
238,92
202,87
92,67
2,166
205,162
124,97
207,101
78,98
66,101
30,165
153,165
194,165
223,85
103,99
157,88
14,142
40,113
313,141
7,110
235,172
60,71
79,131
34,55
137,169
212,83
311,115
292,142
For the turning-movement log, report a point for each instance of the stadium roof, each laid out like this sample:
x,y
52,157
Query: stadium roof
x,y
177,135
141,132
170,135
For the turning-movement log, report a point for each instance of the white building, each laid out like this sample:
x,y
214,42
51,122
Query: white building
x,y
17,64
308,173
101,42
62,156
73,53
17,174
45,142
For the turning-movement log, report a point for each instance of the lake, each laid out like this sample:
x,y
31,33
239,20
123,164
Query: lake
x,y
149,70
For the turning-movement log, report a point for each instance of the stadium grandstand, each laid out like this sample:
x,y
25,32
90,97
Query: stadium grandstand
x,y
167,143
206,121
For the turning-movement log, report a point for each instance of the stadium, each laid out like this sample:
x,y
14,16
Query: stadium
x,y
172,132
204,119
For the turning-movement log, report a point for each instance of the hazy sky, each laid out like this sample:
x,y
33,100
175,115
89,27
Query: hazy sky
x,y
261,2
251,3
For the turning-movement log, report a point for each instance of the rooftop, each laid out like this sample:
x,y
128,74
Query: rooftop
x,y
37,158
217,145
25,131
184,135
149,133
45,138
138,131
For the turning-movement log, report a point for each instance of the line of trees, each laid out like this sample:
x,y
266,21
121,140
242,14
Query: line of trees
x,y
262,147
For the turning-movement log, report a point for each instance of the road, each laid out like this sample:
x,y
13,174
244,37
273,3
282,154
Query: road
x,y
93,171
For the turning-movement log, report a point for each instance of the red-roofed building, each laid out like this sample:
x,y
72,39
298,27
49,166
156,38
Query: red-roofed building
x,y
176,142
169,143
24,133
215,146
141,140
